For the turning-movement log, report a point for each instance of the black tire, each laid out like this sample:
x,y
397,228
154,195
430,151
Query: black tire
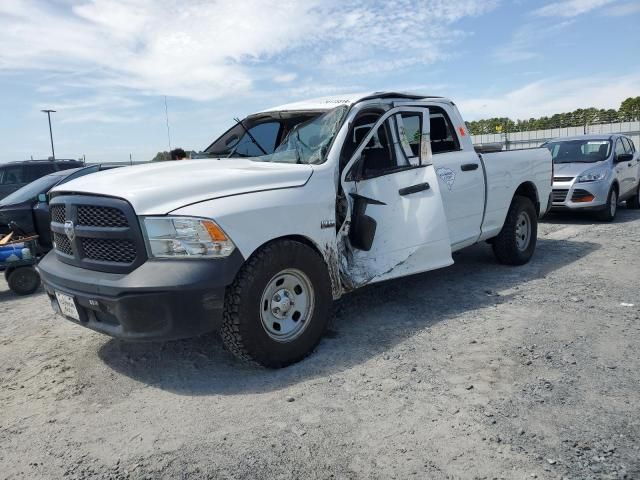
x,y
608,213
243,331
7,272
634,202
23,280
507,247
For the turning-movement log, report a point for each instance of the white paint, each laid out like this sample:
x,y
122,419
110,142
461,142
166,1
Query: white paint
x,y
256,202
159,188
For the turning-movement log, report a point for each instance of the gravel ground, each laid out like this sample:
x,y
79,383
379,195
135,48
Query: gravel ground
x,y
474,371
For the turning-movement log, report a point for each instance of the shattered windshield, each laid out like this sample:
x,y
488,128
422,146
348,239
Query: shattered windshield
x,y
579,151
308,142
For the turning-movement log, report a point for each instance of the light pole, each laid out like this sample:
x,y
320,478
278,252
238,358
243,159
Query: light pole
x,y
49,112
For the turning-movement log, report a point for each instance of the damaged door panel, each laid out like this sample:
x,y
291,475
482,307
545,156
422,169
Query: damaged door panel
x,y
397,222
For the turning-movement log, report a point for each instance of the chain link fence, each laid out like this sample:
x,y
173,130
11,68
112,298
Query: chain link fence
x,y
534,138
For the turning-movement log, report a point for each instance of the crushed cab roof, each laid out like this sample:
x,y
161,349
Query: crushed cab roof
x,y
326,103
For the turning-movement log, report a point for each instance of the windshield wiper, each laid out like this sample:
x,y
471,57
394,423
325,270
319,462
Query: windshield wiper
x,y
255,142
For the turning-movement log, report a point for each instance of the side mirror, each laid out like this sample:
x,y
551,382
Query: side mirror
x,y
42,198
624,157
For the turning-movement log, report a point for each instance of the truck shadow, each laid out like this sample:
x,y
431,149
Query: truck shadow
x,y
367,323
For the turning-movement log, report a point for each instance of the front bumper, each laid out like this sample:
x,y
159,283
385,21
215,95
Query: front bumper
x,y
579,196
159,300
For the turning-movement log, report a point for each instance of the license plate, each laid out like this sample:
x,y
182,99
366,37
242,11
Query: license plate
x,y
67,306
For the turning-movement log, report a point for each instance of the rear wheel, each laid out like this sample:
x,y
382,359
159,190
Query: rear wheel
x,y
634,202
277,309
608,213
23,280
516,242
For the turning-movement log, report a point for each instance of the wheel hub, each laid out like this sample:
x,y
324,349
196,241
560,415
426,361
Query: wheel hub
x,y
286,305
281,303
523,231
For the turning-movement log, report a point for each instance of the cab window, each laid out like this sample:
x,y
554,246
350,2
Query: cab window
x,y
443,136
619,147
393,146
410,135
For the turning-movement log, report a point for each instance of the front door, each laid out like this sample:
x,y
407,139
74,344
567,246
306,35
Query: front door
x,y
392,184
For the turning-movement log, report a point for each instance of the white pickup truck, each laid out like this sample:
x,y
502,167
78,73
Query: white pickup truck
x,y
289,209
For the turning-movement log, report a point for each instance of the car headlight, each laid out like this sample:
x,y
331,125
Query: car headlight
x,y
593,175
185,237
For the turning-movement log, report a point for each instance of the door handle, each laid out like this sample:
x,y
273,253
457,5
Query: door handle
x,y
420,187
467,167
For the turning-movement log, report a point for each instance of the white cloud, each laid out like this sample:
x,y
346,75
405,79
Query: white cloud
x,y
570,8
526,40
624,9
204,50
547,97
285,78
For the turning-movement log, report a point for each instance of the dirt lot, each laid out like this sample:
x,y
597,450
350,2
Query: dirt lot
x,y
475,371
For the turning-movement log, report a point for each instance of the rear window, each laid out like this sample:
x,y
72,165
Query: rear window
x,y
12,175
33,172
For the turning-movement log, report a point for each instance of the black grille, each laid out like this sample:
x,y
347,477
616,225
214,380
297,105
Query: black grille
x,y
580,194
93,216
558,196
63,244
562,179
105,233
109,250
57,213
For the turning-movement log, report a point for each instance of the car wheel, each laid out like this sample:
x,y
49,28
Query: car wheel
x,y
516,242
634,202
278,307
23,280
608,213
7,272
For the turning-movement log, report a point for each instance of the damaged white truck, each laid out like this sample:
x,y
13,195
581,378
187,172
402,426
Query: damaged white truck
x,y
288,210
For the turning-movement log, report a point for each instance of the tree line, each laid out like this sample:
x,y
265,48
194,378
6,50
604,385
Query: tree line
x,y
629,111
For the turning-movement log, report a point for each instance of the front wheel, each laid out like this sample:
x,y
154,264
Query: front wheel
x,y
516,242
277,309
608,213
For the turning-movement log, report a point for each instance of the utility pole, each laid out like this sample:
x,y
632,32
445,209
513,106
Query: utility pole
x,y
49,112
166,113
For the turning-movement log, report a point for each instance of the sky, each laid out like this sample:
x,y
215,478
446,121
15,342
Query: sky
x,y
106,66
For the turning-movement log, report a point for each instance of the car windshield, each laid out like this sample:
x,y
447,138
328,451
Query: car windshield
x,y
579,151
309,142
32,190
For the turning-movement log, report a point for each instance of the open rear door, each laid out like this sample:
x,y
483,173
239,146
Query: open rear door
x,y
398,225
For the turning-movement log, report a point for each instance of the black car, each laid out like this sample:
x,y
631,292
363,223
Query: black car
x,y
28,209
16,175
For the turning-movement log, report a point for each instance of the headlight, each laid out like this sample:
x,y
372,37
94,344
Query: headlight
x,y
180,237
593,175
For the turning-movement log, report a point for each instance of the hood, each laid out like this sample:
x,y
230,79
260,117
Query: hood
x,y
159,188
574,169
